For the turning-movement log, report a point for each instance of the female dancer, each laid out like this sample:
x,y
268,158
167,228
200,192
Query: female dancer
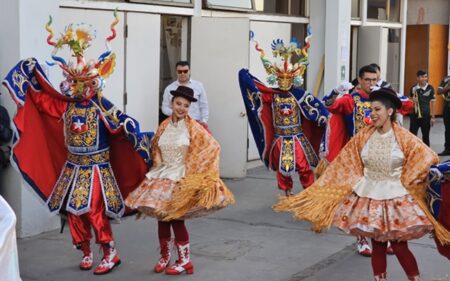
x,y
183,183
375,188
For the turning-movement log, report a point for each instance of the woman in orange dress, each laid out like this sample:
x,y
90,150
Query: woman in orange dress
x,y
183,182
375,188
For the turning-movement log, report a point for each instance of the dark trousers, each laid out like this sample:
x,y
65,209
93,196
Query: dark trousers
x,y
447,127
424,125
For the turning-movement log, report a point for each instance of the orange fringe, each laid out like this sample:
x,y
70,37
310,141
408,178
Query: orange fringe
x,y
321,167
314,207
199,191
442,234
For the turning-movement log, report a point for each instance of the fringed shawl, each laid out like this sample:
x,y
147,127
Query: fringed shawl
x,y
318,203
201,187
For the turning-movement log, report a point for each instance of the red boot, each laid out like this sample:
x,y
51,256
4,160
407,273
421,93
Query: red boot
x,y
380,277
109,261
184,262
87,260
363,247
165,255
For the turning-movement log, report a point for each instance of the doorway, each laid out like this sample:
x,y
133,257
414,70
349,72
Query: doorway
x,y
174,42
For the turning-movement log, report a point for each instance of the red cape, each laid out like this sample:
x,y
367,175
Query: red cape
x,y
40,151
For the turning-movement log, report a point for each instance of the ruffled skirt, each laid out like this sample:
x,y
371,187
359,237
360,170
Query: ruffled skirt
x,y
164,200
397,219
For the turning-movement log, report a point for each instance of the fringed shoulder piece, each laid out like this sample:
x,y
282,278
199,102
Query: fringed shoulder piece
x,y
418,160
201,189
317,204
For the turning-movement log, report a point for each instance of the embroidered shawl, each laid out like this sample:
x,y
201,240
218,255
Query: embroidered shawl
x,y
318,203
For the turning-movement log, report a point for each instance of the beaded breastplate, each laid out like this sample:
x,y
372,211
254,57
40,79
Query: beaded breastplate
x,y
82,127
286,115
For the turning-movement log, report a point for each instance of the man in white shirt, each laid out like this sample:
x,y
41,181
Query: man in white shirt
x,y
198,110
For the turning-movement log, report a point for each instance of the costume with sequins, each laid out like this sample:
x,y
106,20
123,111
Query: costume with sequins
x,y
78,152
285,121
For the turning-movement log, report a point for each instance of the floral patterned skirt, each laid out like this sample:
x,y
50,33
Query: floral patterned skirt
x,y
397,219
154,198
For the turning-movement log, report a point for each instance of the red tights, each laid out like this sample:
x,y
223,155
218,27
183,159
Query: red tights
x,y
179,229
401,250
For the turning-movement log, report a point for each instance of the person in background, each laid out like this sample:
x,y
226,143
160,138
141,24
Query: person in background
x,y
198,111
422,116
380,83
444,90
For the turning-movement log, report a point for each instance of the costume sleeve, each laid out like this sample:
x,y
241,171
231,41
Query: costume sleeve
x,y
203,103
329,99
118,122
407,105
343,105
165,106
432,95
48,104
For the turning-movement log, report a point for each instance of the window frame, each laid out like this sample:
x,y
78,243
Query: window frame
x,y
387,20
163,3
207,6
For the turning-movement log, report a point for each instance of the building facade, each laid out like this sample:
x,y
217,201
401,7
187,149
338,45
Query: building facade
x,y
214,35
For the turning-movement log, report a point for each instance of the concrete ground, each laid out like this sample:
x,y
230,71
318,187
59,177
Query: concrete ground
x,y
245,242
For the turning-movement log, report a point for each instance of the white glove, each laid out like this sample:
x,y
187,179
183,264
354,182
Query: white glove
x,y
344,87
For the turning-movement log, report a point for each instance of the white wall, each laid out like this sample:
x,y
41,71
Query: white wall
x,y
22,34
428,11
317,50
337,42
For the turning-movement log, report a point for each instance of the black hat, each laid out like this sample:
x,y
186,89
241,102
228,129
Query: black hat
x,y
388,94
185,92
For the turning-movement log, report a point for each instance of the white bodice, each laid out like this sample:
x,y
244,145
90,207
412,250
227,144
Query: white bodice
x,y
173,144
383,161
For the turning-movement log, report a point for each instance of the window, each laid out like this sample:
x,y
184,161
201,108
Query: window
x,y
298,31
356,6
229,4
384,10
284,7
393,58
168,2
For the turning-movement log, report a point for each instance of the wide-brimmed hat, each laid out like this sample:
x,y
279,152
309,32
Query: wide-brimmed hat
x,y
388,94
185,92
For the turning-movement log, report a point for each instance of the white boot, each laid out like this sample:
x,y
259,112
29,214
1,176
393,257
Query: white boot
x,y
184,261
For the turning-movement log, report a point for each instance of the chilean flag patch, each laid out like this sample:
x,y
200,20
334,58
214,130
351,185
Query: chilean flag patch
x,y
78,125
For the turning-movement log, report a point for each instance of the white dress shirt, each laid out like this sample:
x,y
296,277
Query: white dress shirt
x,y
198,110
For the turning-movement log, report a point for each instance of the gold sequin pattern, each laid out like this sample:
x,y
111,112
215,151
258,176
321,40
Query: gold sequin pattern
x,y
85,139
282,119
114,202
56,198
80,195
91,159
287,159
361,107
